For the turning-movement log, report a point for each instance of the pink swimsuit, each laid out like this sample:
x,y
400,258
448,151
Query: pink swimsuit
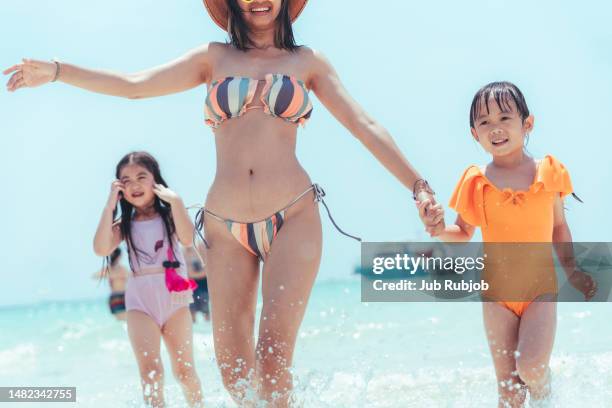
x,y
147,290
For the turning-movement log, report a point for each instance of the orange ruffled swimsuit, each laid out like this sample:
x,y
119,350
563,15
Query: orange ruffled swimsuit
x,y
518,217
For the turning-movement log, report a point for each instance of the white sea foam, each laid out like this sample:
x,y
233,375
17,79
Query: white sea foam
x,y
379,356
17,360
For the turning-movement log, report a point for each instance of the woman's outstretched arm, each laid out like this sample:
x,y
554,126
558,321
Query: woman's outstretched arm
x,y
183,73
326,84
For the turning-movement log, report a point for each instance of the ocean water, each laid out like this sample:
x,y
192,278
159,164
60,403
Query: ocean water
x,y
349,354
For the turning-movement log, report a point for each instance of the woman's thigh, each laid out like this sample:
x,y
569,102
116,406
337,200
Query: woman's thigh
x,y
288,276
233,278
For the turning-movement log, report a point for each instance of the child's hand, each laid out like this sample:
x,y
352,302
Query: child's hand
x,y
30,73
115,194
432,217
437,229
584,283
166,194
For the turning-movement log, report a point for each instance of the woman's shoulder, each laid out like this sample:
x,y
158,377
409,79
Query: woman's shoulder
x,y
208,52
211,50
306,51
316,61
217,46
312,55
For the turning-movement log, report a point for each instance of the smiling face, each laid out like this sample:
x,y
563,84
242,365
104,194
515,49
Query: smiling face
x,y
499,128
138,185
260,14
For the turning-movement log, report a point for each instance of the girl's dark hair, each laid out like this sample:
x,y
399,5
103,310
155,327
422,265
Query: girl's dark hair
x,y
239,30
162,207
503,93
108,262
114,256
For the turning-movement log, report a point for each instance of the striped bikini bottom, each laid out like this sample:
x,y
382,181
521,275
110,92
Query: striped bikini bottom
x,y
257,237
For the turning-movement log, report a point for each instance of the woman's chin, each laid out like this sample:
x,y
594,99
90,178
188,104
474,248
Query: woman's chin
x,y
261,23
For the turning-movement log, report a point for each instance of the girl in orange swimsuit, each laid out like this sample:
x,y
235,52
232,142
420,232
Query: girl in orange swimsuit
x,y
517,199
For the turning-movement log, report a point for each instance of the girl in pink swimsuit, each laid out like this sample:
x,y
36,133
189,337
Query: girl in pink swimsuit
x,y
153,222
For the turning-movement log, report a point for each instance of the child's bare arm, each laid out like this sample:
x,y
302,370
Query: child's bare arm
x,y
432,217
562,242
460,231
182,222
562,238
108,235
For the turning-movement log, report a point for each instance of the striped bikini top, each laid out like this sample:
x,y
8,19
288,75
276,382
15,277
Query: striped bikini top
x,y
283,96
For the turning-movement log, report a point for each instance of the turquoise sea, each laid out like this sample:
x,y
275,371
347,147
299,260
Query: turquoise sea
x,y
349,354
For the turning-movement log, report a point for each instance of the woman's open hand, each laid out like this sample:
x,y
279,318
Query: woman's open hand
x,y
30,73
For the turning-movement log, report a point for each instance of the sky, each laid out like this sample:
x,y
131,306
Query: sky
x,y
414,66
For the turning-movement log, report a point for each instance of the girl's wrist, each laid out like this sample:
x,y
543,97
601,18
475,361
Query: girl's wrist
x,y
110,207
176,202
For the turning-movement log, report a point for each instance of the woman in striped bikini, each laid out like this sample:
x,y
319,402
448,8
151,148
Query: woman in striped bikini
x,y
262,206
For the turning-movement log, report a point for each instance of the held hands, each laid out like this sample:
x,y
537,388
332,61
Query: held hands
x,y
432,215
430,212
30,73
166,194
584,283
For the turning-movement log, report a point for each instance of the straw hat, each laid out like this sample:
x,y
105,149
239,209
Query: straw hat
x,y
219,12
